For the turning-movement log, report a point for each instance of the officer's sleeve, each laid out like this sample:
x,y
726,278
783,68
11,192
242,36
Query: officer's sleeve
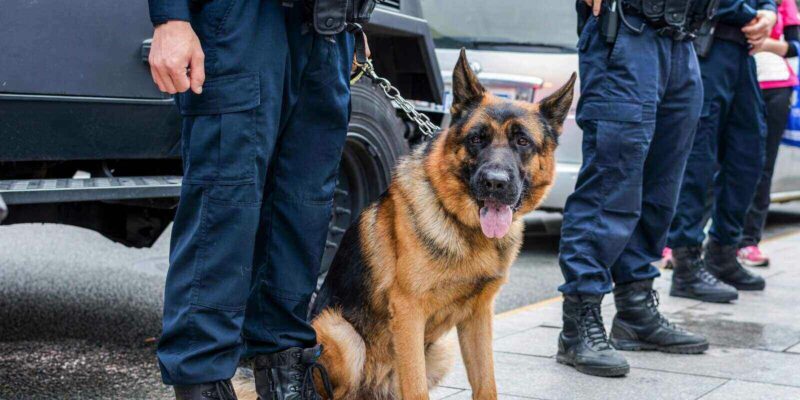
x,y
737,12
768,5
167,10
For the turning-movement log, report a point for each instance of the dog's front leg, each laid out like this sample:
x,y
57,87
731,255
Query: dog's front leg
x,y
407,323
475,338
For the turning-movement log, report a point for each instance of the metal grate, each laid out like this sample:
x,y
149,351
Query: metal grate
x,y
390,3
30,191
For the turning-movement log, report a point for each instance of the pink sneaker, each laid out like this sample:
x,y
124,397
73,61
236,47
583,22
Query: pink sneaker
x,y
752,257
666,258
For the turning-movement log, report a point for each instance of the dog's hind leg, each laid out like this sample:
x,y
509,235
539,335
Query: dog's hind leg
x,y
439,358
343,355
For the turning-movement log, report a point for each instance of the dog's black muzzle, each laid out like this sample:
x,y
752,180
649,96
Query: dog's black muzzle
x,y
497,182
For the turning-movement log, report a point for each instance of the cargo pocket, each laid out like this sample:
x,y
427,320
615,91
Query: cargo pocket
x,y
220,151
223,272
621,141
219,144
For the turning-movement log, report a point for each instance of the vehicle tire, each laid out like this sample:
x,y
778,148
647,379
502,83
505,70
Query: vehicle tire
x,y
375,142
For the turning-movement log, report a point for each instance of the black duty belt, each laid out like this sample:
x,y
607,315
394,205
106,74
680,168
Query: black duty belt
x,y
730,33
636,7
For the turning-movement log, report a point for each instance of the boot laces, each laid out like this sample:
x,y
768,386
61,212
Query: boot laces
x,y
703,274
592,327
222,391
308,389
653,300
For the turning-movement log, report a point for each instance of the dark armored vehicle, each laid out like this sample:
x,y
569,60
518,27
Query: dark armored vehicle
x,y
87,139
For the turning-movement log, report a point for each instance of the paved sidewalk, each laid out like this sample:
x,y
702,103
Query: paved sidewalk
x,y
755,347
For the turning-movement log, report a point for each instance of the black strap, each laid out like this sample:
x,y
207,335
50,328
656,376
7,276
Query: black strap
x,y
360,41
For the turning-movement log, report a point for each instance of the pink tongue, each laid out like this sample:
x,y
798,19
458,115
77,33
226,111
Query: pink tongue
x,y
495,219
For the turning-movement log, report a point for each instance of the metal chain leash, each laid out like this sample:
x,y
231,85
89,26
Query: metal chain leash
x,y
424,123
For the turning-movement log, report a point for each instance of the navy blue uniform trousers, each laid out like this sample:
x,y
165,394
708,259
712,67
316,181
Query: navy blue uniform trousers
x,y
727,156
261,148
640,102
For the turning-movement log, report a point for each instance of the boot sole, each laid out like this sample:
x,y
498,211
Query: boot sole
x,y
635,345
748,263
708,298
755,287
606,372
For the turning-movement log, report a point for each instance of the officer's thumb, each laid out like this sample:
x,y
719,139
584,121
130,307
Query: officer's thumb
x,y
197,71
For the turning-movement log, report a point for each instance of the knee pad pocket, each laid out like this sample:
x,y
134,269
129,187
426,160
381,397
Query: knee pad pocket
x,y
223,267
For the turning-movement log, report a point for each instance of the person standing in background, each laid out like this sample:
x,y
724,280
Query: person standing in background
x,y
777,80
641,93
727,155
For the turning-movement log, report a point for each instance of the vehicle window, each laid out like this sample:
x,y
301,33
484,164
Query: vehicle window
x,y
487,23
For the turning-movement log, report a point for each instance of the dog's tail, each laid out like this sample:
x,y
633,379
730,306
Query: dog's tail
x,y
244,384
344,352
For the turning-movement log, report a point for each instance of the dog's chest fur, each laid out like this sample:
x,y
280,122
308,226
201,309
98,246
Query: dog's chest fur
x,y
441,261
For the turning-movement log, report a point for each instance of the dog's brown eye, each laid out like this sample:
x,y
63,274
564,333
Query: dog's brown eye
x,y
522,141
477,139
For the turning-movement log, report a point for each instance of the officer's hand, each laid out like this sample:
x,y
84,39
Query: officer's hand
x,y
595,4
757,48
760,27
176,58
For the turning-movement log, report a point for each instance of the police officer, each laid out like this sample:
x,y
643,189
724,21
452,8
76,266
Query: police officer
x,y
641,94
264,125
727,155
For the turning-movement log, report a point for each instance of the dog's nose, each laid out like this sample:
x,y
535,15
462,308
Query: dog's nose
x,y
495,180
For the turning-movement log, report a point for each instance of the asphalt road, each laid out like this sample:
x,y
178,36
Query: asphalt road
x,y
79,314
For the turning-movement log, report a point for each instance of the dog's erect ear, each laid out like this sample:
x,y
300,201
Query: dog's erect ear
x,y
466,88
555,107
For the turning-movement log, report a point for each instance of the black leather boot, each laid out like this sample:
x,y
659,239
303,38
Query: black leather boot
x,y
722,262
692,280
220,390
583,343
639,325
289,375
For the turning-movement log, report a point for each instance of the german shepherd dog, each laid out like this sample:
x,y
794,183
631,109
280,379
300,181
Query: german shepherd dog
x,y
432,253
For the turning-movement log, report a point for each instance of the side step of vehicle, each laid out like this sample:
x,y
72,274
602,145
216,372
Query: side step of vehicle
x,y
3,209
35,191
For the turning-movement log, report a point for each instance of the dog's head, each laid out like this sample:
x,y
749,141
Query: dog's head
x,y
504,149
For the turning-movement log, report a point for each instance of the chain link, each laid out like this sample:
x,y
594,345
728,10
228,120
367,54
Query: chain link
x,y
424,123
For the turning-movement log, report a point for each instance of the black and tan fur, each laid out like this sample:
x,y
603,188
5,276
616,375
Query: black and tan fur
x,y
416,265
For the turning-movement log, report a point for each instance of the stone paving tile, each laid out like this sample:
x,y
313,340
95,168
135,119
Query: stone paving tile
x,y
756,355
527,376
467,395
727,363
740,390
539,341
794,349
758,320
443,392
547,315
727,329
